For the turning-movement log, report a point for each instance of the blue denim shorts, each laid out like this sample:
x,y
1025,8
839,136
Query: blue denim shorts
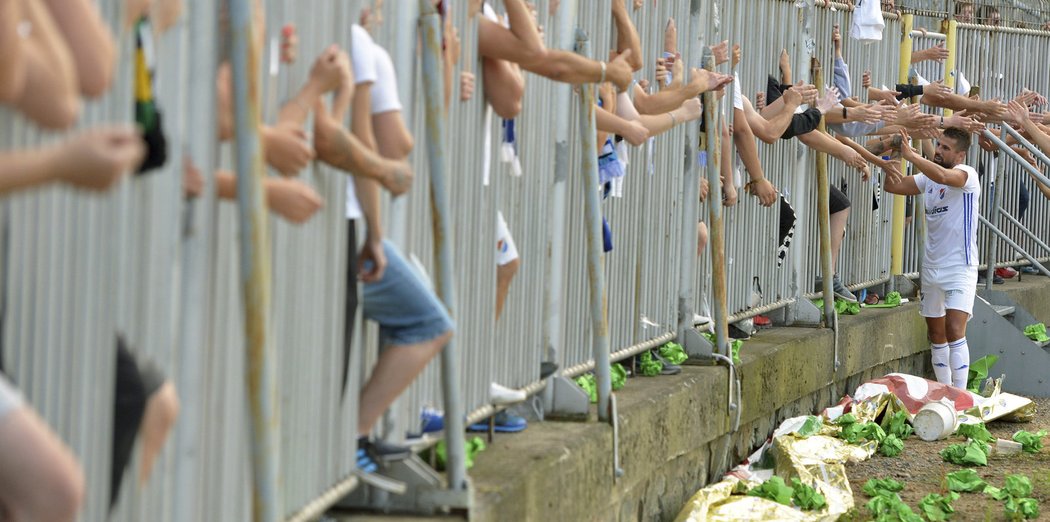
x,y
407,310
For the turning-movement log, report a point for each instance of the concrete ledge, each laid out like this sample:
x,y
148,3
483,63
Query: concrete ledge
x,y
674,430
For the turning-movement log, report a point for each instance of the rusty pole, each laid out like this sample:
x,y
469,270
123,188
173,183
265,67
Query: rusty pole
x,y
263,395
441,213
716,224
824,222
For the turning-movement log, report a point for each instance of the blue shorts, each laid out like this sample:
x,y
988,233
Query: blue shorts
x,y
407,310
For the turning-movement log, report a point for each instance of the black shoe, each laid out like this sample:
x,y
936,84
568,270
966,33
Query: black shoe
x,y
381,451
547,368
736,333
668,367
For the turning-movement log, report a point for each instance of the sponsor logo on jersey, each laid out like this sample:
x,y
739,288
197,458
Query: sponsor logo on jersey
x,y
936,210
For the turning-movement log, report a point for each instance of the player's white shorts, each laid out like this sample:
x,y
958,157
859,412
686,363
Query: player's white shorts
x,y
949,287
506,250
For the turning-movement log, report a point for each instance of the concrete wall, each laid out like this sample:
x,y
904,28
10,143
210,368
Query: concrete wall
x,y
673,430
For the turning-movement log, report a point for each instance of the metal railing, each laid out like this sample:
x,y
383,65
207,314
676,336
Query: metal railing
x,y
165,272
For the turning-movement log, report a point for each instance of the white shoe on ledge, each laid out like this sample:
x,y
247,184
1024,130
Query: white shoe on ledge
x,y
503,395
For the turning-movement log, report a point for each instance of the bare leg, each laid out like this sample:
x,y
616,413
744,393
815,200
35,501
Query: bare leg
x,y
162,409
838,232
701,238
40,479
935,330
504,275
397,367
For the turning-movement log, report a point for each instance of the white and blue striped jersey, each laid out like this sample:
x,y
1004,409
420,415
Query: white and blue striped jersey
x,y
951,220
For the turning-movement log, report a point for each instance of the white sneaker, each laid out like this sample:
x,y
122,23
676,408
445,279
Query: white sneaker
x,y
503,395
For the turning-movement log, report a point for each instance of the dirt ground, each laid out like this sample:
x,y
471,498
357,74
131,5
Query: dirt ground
x,y
921,469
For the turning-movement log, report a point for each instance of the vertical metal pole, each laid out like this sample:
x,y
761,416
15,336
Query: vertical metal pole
x,y
897,232
997,202
263,396
593,222
690,197
951,31
437,145
555,318
716,224
194,300
824,224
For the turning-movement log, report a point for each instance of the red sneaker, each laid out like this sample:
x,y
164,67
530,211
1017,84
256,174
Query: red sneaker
x,y
1005,272
763,321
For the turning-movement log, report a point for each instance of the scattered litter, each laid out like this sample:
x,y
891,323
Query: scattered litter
x,y
1006,447
647,366
806,497
773,489
1030,442
937,507
673,352
889,506
842,307
898,425
811,427
473,447
973,453
1037,332
976,432
893,300
936,420
876,487
891,446
618,375
734,345
979,371
1014,494
965,481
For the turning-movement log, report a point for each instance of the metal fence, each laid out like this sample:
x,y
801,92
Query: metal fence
x,y
163,271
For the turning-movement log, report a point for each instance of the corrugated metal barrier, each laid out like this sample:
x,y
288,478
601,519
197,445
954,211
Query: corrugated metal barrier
x,y
143,262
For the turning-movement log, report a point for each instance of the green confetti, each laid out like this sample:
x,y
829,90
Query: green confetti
x,y
965,480
976,432
853,433
1017,486
1030,442
648,366
773,489
936,507
811,426
848,418
898,425
618,374
979,371
1026,508
973,453
891,446
589,385
807,498
1036,332
876,487
673,352
889,507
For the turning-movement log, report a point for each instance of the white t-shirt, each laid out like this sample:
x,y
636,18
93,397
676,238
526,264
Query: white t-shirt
x,y
951,220
384,92
363,53
867,21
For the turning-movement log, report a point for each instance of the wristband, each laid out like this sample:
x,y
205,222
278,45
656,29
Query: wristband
x,y
843,112
674,121
603,72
